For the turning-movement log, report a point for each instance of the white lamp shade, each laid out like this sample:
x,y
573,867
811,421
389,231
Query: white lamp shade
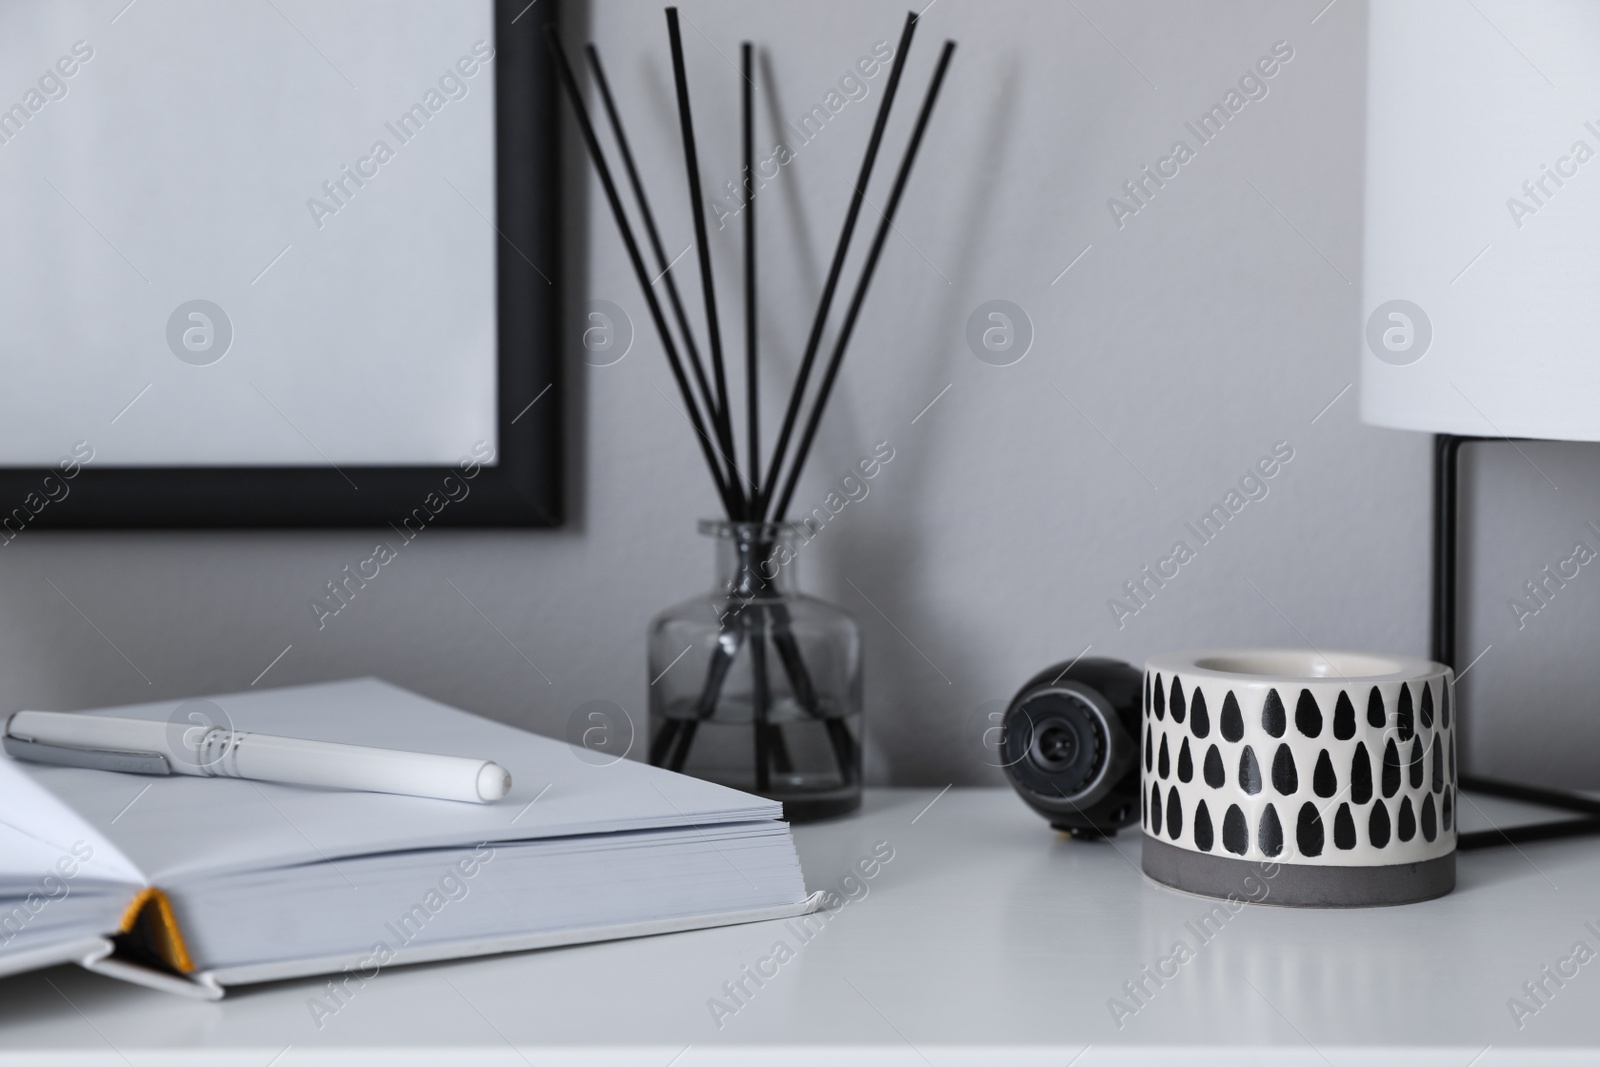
x,y
1481,283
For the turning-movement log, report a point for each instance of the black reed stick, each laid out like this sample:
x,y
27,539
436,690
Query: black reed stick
x,y
570,81
763,695
663,265
716,675
671,745
825,304
878,239
662,742
758,711
691,161
752,381
760,693
805,692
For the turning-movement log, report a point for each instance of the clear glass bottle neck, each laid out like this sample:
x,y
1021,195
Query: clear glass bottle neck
x,y
754,559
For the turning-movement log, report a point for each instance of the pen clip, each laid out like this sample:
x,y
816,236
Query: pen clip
x,y
95,759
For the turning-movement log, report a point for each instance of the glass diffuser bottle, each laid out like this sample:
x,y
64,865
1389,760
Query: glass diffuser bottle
x,y
756,685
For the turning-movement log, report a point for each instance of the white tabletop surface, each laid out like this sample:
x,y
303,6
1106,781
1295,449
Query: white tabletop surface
x,y
986,939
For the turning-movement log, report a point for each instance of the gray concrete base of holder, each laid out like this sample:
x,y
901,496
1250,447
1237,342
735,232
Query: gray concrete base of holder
x,y
1297,885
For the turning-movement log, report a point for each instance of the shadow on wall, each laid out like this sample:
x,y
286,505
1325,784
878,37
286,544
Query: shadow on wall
x,y
905,692
572,298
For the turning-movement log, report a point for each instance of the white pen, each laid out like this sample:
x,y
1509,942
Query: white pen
x,y
148,746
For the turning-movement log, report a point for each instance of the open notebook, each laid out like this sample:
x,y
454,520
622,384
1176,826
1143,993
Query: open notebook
x,y
194,884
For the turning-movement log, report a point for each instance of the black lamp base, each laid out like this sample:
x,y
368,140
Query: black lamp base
x,y
1541,831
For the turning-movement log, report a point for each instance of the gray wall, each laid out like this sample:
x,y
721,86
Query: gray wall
x,y
1220,319
1532,682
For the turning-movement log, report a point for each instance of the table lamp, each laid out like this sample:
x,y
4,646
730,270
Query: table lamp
x,y
1481,287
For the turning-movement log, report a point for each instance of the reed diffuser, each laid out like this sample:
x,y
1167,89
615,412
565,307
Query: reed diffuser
x,y
756,686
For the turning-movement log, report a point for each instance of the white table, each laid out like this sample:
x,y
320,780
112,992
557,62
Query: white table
x,y
986,939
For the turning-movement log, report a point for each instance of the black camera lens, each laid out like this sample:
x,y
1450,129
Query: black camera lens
x,y
1056,742
1055,748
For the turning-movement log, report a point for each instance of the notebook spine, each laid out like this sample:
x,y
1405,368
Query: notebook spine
x,y
150,928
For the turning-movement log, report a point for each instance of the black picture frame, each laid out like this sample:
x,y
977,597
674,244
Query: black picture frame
x,y
522,488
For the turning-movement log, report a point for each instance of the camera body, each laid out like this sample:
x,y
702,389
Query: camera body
x,y
1070,745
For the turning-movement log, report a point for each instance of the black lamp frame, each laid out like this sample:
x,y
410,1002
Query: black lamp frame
x,y
1446,520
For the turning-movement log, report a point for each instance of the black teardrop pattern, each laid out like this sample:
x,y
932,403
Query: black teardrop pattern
x,y
1307,716
1407,828
1232,721
1249,772
1344,829
1434,762
1324,782
1235,832
1203,837
1144,809
1147,696
1377,717
1308,835
1273,718
1378,825
1285,779
1199,718
1360,775
1391,769
1269,835
1344,717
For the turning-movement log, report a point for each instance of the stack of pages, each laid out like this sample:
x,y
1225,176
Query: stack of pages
x,y
193,884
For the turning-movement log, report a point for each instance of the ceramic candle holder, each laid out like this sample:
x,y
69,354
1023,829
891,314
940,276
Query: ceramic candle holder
x,y
1303,779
